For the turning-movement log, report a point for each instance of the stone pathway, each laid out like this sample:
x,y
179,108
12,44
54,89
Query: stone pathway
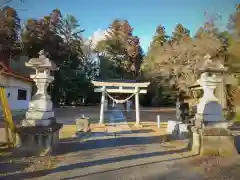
x,y
137,155
103,153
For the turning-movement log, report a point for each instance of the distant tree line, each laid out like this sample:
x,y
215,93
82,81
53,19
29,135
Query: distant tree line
x,y
170,64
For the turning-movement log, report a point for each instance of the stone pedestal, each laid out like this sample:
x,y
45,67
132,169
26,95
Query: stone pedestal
x,y
39,129
39,139
217,142
212,142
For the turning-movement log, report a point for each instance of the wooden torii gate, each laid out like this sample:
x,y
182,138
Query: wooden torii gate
x,y
121,86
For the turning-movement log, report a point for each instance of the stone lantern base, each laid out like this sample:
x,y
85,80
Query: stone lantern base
x,y
39,139
212,141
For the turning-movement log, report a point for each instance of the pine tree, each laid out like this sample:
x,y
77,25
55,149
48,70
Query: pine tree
x,y
234,21
9,29
123,49
160,37
180,33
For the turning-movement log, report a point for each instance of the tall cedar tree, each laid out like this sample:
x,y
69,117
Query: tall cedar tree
x,y
123,48
180,33
10,44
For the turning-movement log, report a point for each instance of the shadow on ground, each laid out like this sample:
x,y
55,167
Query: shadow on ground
x,y
74,145
172,175
11,160
142,131
96,162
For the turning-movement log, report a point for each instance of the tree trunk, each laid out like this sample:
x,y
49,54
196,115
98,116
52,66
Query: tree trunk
x,y
55,91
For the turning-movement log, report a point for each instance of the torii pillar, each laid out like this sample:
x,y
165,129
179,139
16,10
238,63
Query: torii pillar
x,y
137,109
101,121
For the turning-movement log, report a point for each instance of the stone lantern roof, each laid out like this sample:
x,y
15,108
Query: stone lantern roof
x,y
41,62
210,66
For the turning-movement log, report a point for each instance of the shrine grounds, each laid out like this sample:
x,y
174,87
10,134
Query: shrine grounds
x,y
67,115
131,154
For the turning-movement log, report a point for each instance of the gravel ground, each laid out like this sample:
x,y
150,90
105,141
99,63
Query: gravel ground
x,y
193,168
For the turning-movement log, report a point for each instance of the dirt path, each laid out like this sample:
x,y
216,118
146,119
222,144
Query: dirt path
x,y
108,154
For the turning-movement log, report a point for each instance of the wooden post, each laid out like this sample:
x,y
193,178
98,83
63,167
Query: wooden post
x,y
101,121
137,107
158,121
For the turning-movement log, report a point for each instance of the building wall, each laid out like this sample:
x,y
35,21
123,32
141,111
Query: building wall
x,y
12,86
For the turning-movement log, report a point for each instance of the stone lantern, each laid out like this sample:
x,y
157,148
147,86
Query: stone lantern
x,y
209,109
40,108
210,134
39,129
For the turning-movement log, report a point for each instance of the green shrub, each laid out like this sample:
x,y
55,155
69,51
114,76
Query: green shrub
x,y
237,117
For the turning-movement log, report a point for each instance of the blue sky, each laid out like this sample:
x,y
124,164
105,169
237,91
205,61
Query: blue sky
x,y
143,15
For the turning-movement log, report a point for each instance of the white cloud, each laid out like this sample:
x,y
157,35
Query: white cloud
x,y
100,35
92,41
97,36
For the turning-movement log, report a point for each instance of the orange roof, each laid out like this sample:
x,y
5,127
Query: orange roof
x,y
7,71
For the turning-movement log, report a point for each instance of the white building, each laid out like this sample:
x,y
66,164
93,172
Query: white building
x,y
18,88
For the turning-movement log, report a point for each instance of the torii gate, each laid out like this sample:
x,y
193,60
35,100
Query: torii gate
x,y
121,86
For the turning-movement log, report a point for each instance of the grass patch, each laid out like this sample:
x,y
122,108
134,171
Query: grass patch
x,y
210,152
96,121
237,117
67,131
